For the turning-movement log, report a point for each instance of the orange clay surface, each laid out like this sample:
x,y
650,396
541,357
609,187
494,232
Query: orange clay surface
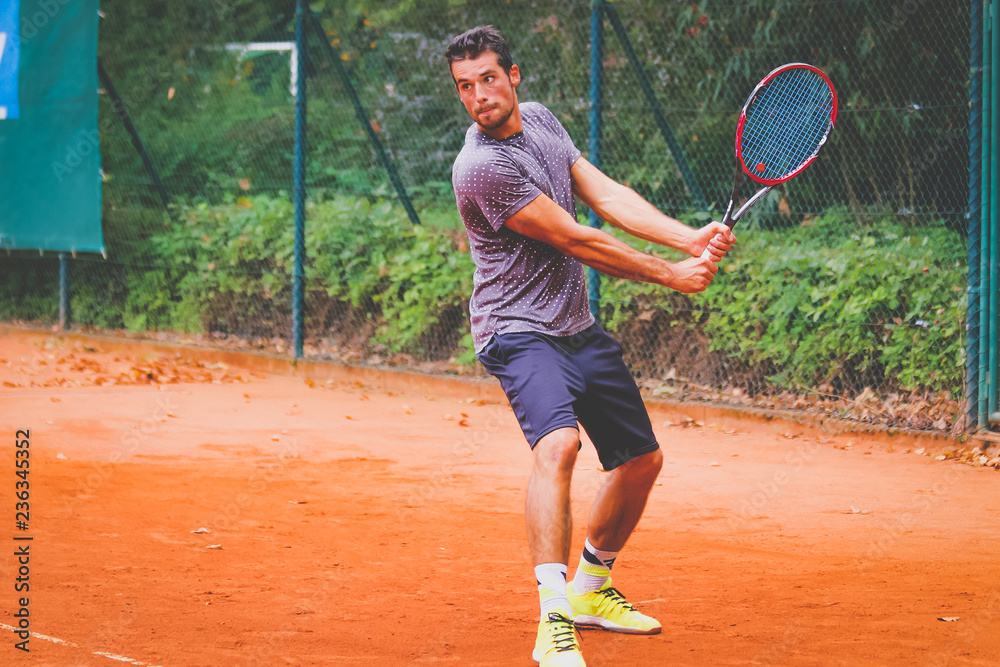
x,y
357,517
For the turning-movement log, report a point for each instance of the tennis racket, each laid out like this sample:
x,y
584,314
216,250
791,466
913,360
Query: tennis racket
x,y
785,121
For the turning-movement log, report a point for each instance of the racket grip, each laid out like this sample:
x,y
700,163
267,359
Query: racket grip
x,y
706,254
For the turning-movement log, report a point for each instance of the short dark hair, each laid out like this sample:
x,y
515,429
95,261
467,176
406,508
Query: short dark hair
x,y
473,43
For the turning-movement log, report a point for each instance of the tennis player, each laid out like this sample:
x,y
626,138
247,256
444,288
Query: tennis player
x,y
514,182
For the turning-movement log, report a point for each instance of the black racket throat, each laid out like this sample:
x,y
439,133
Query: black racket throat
x,y
733,214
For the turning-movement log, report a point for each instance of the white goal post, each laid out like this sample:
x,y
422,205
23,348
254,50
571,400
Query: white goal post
x,y
293,87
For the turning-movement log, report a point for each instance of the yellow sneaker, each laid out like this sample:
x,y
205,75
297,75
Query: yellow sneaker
x,y
557,644
607,608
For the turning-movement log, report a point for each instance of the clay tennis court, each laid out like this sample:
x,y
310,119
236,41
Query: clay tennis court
x,y
195,507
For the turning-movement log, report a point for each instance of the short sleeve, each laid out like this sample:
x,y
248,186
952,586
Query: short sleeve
x,y
565,141
494,185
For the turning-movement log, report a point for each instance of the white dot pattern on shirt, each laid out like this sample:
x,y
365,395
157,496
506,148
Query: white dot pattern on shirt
x,y
520,284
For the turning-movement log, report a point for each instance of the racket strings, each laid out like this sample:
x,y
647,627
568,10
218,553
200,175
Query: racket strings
x,y
786,123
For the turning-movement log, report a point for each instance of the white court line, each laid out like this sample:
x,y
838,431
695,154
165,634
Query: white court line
x,y
40,636
103,654
120,658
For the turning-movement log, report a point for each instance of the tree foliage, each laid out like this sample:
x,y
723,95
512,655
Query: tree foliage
x,y
901,71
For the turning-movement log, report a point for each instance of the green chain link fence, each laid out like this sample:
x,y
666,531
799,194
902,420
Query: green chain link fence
x,y
847,294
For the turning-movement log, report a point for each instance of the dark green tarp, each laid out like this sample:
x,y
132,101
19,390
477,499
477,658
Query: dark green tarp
x,y
50,179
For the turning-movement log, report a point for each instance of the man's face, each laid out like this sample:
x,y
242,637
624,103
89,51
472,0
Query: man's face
x,y
486,91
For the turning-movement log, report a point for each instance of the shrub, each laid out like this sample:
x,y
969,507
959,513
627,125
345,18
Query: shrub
x,y
827,304
228,268
823,306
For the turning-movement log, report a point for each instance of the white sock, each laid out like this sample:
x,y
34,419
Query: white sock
x,y
552,588
594,568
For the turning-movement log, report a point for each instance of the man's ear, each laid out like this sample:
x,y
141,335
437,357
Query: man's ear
x,y
515,75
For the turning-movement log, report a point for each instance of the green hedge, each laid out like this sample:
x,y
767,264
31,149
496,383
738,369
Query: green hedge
x,y
228,268
828,305
823,306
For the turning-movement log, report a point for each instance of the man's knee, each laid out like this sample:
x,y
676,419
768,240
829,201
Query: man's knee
x,y
645,467
557,450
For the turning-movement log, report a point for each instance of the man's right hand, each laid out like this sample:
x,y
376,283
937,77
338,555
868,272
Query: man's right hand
x,y
693,275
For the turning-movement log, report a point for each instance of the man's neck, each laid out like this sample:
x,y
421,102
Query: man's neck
x,y
508,129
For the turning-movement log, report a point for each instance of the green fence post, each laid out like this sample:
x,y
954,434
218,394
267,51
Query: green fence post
x,y
654,104
64,294
366,125
596,130
122,111
994,283
299,176
984,227
973,314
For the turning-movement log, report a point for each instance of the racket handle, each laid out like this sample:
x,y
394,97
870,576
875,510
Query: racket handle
x,y
706,254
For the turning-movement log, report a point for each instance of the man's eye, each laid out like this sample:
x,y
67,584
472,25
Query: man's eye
x,y
489,79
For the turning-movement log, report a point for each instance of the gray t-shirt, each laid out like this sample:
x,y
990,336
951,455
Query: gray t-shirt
x,y
520,284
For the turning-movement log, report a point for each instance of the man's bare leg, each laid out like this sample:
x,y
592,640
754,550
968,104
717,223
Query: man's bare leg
x,y
550,528
616,511
546,507
620,502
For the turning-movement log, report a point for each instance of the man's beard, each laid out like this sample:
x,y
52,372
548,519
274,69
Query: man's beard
x,y
499,121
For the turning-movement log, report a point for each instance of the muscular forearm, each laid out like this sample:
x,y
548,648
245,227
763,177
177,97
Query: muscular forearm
x,y
608,255
626,210
545,221
623,208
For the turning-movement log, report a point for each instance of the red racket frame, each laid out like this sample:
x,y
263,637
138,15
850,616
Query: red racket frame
x,y
743,117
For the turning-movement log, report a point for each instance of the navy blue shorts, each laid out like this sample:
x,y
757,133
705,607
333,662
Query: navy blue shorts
x,y
553,382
